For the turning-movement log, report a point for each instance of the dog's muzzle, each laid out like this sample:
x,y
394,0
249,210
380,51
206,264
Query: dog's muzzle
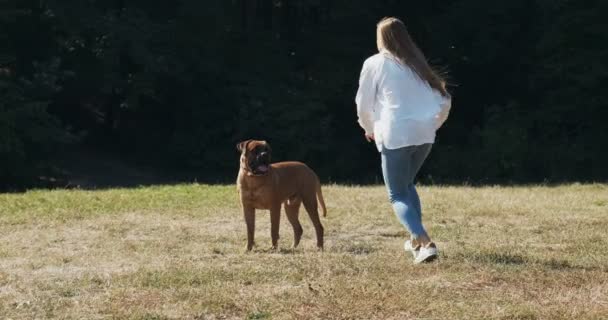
x,y
260,164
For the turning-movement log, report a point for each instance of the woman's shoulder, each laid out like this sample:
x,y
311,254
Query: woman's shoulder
x,y
375,58
375,61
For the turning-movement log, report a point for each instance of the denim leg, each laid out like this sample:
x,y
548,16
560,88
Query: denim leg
x,y
399,168
418,156
415,199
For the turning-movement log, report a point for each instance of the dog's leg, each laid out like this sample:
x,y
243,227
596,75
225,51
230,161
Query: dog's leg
x,y
292,208
250,221
310,203
275,221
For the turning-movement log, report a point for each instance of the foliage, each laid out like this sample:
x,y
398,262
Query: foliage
x,y
28,133
177,84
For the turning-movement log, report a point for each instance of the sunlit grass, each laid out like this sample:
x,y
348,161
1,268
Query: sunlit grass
x,y
177,252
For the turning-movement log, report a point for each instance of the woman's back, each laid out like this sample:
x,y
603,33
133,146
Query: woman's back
x,y
405,107
401,93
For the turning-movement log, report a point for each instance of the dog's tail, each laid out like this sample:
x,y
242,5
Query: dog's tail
x,y
321,200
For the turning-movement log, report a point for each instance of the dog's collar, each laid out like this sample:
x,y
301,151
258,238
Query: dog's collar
x,y
252,174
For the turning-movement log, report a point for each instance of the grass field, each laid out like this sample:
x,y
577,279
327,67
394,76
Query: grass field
x,y
177,252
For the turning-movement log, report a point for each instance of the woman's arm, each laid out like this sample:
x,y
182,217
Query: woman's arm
x,y
365,99
443,114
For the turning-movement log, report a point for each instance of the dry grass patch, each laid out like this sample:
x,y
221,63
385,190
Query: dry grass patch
x,y
178,253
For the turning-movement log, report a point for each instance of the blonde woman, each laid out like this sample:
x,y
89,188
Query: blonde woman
x,y
401,102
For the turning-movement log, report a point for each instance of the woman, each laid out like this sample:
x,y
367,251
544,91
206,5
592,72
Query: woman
x,y
401,102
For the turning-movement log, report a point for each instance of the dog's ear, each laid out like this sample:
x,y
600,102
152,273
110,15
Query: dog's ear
x,y
267,145
242,145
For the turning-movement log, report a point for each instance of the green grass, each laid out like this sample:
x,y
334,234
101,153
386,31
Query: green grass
x,y
177,252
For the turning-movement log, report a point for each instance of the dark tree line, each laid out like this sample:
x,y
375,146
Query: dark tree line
x,y
175,84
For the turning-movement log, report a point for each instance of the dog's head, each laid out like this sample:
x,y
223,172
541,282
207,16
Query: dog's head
x,y
255,156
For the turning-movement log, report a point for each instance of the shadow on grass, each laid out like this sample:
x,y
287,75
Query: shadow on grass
x,y
555,264
499,258
93,169
356,248
280,250
90,169
511,259
397,234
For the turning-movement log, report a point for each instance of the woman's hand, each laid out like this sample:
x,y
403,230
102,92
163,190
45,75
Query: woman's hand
x,y
369,137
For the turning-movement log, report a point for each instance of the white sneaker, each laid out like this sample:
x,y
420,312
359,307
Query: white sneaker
x,y
426,254
409,248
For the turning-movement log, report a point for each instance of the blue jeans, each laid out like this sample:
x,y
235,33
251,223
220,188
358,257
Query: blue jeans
x,y
399,168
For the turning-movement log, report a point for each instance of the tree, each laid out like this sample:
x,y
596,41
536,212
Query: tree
x,y
28,133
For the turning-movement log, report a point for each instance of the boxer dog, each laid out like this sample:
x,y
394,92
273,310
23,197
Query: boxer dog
x,y
262,185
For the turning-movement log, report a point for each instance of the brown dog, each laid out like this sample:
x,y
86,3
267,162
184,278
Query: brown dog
x,y
262,185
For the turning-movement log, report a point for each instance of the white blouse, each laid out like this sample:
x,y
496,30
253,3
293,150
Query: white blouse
x,y
398,107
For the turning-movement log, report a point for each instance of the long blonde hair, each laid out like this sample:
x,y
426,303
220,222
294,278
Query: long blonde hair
x,y
392,35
